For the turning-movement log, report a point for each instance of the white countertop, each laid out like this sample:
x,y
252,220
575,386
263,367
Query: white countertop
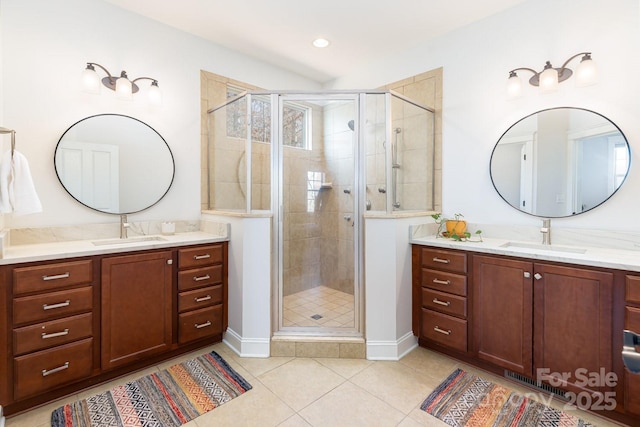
x,y
72,249
620,259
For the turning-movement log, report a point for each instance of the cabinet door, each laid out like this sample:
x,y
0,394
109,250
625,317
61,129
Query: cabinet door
x,y
136,307
573,326
632,381
502,312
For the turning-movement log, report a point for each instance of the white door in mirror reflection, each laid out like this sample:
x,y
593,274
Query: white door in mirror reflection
x,y
91,173
600,165
517,183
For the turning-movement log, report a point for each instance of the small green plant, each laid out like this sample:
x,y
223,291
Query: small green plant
x,y
454,234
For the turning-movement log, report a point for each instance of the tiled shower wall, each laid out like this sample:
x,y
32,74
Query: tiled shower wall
x,y
303,230
337,249
426,89
319,244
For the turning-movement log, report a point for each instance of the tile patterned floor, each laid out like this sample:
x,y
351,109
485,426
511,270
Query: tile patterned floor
x,y
319,306
304,392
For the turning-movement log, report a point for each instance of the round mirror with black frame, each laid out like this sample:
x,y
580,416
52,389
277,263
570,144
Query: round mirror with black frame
x,y
114,164
560,162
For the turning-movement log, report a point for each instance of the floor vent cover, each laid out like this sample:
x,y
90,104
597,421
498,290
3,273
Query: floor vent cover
x,y
316,317
538,385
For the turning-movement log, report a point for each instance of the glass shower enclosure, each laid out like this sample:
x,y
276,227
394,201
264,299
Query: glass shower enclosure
x,y
320,163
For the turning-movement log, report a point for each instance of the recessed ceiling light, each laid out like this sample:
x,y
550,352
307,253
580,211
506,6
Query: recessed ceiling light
x,y
321,42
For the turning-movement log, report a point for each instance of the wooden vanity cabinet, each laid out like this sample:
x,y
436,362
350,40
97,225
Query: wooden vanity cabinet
x,y
632,323
442,295
136,307
66,325
545,321
573,325
503,312
52,326
202,293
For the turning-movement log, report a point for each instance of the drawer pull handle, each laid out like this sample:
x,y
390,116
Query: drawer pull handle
x,y
202,299
200,278
445,303
54,370
203,325
441,260
58,305
442,331
55,334
205,256
442,282
56,276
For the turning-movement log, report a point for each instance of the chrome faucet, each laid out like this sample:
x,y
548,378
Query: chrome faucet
x,y
546,231
124,225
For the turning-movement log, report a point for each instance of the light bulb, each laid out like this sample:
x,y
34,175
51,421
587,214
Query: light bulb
x,y
155,94
90,80
587,72
514,85
548,79
124,89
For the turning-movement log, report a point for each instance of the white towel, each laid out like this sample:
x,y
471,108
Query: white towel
x,y
17,192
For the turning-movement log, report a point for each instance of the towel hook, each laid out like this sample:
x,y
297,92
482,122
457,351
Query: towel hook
x,y
13,137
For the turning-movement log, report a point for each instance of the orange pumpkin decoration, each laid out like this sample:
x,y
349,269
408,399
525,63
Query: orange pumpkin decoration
x,y
456,226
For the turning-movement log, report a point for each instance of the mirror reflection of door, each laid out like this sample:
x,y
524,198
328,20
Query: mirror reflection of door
x,y
600,164
513,168
91,173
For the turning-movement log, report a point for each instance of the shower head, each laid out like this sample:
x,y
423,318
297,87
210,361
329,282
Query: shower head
x,y
351,125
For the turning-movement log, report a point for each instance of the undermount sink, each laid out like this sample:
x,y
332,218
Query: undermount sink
x,y
540,247
129,240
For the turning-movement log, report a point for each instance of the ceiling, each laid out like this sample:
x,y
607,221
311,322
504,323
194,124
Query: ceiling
x,y
281,31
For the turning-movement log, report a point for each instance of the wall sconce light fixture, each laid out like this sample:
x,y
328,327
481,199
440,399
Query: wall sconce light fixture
x,y
123,87
549,77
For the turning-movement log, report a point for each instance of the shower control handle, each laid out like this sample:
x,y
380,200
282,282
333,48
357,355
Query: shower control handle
x,y
347,190
347,217
382,190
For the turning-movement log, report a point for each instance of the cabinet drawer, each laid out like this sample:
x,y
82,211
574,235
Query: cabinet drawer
x,y
36,373
195,257
52,333
444,329
51,276
632,392
446,282
199,277
444,260
633,289
632,319
199,298
200,323
51,305
444,302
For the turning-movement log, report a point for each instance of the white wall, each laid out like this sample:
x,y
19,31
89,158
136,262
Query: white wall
x,y
45,47
476,62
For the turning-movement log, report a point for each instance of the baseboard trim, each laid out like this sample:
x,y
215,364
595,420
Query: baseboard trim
x,y
246,347
391,350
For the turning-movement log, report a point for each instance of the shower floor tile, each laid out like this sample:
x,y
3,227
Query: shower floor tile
x,y
335,307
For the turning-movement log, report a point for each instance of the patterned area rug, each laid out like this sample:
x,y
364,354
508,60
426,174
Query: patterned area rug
x,y
169,398
466,400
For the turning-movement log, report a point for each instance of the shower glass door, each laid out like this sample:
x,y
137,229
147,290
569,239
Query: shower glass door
x,y
318,217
